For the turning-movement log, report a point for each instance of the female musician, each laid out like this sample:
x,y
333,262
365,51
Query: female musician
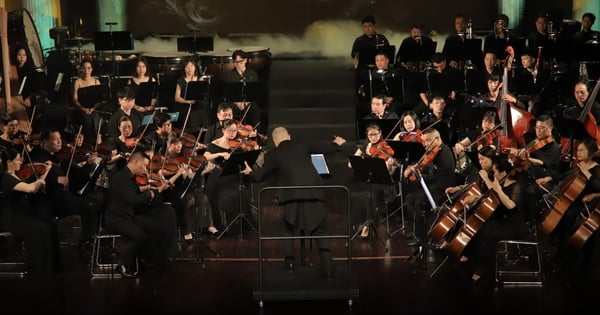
x,y
122,146
91,119
141,75
377,148
494,95
223,192
584,264
198,117
164,126
486,136
506,223
410,129
38,232
436,168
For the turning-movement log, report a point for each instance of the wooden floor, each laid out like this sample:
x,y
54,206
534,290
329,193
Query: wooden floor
x,y
221,276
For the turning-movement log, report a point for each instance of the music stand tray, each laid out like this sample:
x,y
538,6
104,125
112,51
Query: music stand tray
x,y
406,152
371,171
119,40
91,95
470,117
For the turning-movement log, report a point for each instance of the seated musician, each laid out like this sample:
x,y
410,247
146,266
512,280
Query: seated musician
x,y
414,49
410,129
19,215
224,192
506,222
11,135
86,164
531,83
440,81
138,213
581,94
543,156
496,95
121,147
477,138
248,113
214,131
58,201
126,97
441,118
582,265
379,109
163,125
478,80
436,167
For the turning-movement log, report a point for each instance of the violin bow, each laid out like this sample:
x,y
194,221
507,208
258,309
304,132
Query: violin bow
x,y
187,117
73,154
483,135
143,133
98,134
434,123
392,130
202,130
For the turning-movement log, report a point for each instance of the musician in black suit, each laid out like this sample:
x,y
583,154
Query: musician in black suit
x,y
291,162
138,213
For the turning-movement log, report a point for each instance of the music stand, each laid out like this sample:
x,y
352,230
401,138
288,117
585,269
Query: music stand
x,y
386,126
145,93
234,165
195,44
407,153
472,50
241,91
119,40
390,85
89,96
371,171
470,117
573,129
195,90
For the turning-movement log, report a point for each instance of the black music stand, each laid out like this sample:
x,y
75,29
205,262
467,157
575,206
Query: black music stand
x,y
241,92
573,129
470,117
234,165
384,83
472,50
111,41
145,93
89,96
406,153
386,126
195,44
195,90
371,171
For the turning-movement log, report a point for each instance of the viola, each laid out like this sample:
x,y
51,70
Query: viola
x,y
29,171
381,150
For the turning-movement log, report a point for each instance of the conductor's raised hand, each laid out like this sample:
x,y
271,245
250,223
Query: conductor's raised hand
x,y
338,140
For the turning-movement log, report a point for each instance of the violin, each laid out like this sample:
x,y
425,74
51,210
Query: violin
x,y
531,147
411,136
427,158
28,171
381,150
243,144
155,180
130,142
245,130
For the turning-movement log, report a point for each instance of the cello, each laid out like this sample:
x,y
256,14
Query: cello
x,y
516,121
565,193
585,229
587,118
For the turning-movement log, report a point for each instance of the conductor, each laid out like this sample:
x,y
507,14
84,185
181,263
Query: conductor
x,y
290,161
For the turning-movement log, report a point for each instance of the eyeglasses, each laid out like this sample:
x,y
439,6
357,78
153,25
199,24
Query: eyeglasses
x,y
239,61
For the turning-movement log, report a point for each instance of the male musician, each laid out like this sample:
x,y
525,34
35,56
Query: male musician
x,y
364,46
581,95
543,173
291,162
383,79
379,109
441,80
583,36
158,138
58,200
541,37
477,80
454,44
415,48
140,216
214,131
436,176
442,118
11,135
126,97
240,73
485,136
532,82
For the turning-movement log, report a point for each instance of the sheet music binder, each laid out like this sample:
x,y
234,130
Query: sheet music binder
x,y
241,91
91,95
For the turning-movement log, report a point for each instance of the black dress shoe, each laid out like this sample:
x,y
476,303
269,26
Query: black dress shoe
x,y
125,272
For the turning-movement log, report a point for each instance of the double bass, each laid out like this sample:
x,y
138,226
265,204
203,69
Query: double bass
x,y
516,121
587,118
